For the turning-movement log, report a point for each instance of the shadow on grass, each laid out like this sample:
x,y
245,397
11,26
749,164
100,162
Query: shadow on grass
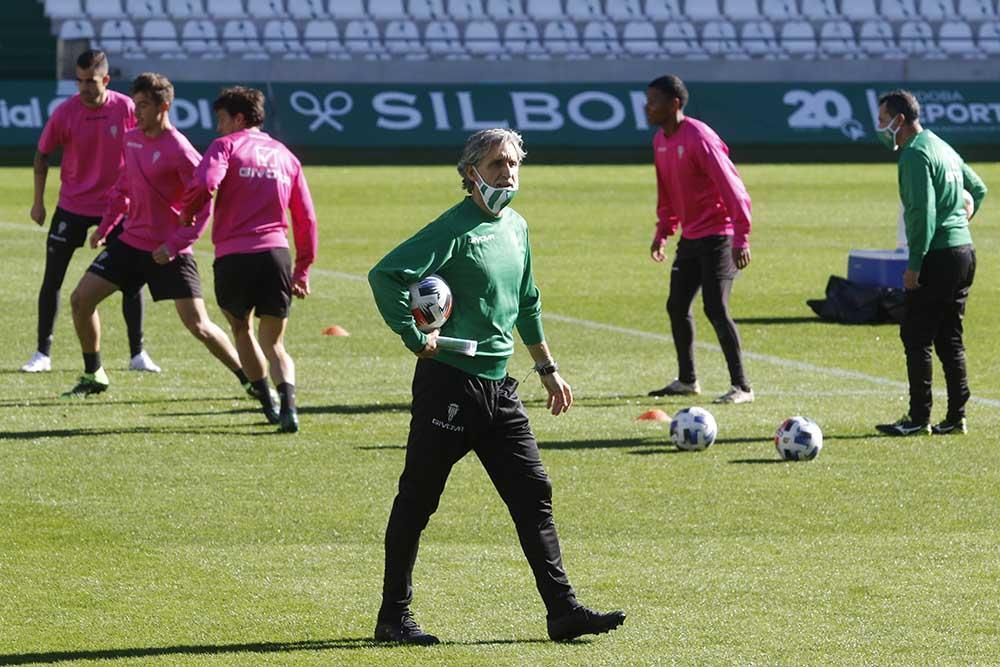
x,y
759,461
49,402
52,657
137,430
792,319
379,447
363,409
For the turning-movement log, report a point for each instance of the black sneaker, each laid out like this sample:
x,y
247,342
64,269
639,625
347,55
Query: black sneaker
x,y
404,630
904,426
288,422
583,621
948,426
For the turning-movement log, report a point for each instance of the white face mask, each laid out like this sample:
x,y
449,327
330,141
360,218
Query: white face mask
x,y
887,134
496,199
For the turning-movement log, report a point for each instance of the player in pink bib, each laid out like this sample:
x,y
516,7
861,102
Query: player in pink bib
x,y
90,127
153,249
257,180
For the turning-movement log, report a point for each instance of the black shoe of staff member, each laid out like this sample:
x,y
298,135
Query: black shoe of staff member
x,y
403,629
583,621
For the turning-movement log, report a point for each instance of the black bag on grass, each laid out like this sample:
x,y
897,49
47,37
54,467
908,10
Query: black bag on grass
x,y
852,303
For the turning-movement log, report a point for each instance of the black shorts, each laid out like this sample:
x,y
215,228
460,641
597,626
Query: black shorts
x,y
707,256
260,281
131,268
70,230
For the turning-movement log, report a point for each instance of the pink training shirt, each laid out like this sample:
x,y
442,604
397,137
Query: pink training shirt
x,y
92,149
150,189
258,180
698,187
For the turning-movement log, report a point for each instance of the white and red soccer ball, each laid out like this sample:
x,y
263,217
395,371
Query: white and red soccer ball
x,y
430,303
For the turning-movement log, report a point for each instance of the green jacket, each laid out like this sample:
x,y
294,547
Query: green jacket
x,y
932,177
486,261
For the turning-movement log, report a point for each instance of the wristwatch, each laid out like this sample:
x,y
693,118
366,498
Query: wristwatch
x,y
547,368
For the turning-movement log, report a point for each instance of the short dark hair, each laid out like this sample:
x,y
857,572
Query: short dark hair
x,y
157,86
671,86
93,58
901,102
240,99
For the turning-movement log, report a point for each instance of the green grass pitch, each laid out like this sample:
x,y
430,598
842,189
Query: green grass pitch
x,y
164,523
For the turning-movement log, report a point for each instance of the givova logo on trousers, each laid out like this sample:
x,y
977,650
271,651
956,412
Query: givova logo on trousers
x,y
822,109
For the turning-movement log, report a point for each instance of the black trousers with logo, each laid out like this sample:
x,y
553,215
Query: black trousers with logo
x,y
933,317
454,412
705,264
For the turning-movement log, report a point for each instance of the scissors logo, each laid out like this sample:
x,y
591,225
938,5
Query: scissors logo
x,y
308,104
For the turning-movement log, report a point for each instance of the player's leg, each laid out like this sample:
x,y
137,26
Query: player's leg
x,y
195,318
272,342
90,291
718,271
509,453
253,362
950,346
685,281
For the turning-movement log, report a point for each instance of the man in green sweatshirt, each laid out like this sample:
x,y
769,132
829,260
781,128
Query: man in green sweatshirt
x,y
942,261
480,248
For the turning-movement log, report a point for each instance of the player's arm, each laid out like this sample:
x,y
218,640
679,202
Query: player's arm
x,y
305,229
666,221
975,187
190,231
119,199
390,280
716,163
916,190
204,182
560,394
41,173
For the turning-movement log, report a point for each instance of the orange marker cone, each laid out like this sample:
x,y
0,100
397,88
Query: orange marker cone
x,y
654,415
335,330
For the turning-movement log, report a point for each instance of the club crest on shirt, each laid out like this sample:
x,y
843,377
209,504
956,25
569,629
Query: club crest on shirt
x,y
114,131
680,151
265,156
156,156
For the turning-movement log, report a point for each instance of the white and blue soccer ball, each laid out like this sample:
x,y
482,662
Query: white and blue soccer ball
x,y
798,439
693,429
430,303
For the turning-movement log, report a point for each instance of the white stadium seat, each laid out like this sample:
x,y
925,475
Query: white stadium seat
x,y
545,9
584,10
303,10
899,10
104,9
759,40
362,37
639,39
741,10
561,38
718,38
819,10
383,10
917,39
402,39
465,10
681,41
877,40
118,37
199,37
63,9
936,10
976,10
186,9
347,9
663,10
504,9
321,38
989,38
159,36
441,39
779,10
76,29
427,10
955,39
266,9
522,39
702,10
226,9
281,38
625,10
601,39
859,10
482,38
837,39
239,37
798,39
145,9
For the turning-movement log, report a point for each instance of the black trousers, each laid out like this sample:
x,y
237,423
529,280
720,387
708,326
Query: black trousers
x,y
705,264
68,231
933,317
454,412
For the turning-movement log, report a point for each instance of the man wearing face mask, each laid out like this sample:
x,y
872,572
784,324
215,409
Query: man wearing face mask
x,y
941,264
480,248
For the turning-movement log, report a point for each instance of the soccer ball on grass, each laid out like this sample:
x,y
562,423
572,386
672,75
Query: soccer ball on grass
x,y
798,439
693,429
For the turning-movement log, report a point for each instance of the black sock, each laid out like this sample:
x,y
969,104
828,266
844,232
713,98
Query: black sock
x,y
91,362
263,392
287,393
241,376
132,311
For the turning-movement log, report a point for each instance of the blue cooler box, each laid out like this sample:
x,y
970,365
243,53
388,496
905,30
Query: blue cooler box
x,y
880,268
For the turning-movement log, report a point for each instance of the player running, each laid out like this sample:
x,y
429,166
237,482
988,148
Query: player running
x,y
152,249
258,180
90,127
700,191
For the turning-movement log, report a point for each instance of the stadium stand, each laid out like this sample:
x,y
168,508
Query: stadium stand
x,y
372,30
